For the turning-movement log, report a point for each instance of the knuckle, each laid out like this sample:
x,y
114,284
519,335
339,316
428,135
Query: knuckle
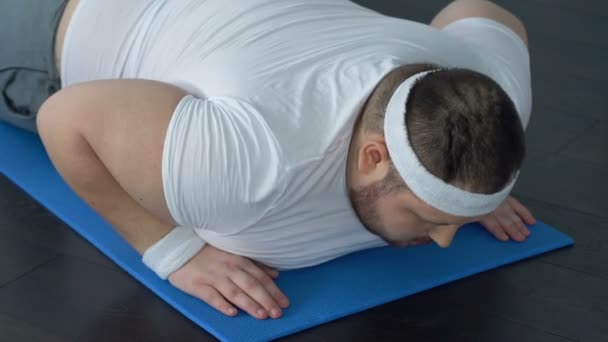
x,y
227,265
216,300
247,264
207,295
493,226
517,222
234,292
198,282
250,284
230,267
505,222
213,282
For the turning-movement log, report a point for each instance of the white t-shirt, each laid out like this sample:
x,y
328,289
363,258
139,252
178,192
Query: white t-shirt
x,y
255,157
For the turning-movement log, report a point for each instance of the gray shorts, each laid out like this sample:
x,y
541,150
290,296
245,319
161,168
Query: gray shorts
x,y
28,75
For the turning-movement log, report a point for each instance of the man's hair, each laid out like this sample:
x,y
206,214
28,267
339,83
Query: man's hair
x,y
461,124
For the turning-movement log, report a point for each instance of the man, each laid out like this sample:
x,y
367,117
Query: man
x,y
224,143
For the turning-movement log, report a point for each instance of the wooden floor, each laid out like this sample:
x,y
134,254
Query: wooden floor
x,y
54,286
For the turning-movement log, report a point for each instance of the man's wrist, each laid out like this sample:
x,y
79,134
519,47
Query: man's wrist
x,y
172,251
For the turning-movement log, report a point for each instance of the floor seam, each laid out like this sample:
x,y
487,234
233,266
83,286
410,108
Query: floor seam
x,y
574,139
2,286
502,316
557,206
575,270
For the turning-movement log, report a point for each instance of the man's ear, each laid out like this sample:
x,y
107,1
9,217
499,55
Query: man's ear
x,y
373,159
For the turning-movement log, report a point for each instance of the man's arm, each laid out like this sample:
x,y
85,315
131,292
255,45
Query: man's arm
x,y
461,9
510,219
106,140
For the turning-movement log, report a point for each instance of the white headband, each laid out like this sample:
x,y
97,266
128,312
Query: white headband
x,y
426,186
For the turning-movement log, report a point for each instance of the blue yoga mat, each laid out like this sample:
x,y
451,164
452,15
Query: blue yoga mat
x,y
318,294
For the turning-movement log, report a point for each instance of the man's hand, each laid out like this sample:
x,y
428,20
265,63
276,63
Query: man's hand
x,y
220,278
509,221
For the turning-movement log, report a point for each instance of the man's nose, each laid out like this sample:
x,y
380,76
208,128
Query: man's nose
x,y
443,236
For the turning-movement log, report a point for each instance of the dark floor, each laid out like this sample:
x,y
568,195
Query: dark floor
x,y
54,286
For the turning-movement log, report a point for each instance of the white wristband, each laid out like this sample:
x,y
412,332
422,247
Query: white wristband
x,y
171,252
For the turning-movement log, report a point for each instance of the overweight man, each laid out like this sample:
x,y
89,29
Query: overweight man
x,y
226,142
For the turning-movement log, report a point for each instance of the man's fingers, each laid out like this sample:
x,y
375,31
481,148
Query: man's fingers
x,y
273,273
219,279
494,227
239,297
524,230
511,227
268,284
522,211
254,288
212,297
521,225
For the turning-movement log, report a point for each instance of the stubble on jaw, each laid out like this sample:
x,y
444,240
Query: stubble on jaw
x,y
364,201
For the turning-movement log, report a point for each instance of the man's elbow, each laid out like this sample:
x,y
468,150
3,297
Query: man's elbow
x,y
461,9
520,29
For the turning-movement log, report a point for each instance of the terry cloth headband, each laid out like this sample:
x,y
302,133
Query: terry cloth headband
x,y
426,186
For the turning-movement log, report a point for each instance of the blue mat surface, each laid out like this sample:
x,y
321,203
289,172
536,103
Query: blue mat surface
x,y
319,294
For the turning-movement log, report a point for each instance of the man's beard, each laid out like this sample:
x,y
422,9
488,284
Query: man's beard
x,y
365,203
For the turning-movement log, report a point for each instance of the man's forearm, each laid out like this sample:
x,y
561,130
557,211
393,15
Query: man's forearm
x,y
93,183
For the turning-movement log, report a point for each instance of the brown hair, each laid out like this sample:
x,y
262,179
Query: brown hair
x,y
462,126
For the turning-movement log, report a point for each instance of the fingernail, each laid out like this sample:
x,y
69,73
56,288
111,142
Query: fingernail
x,y
261,312
231,311
284,302
274,313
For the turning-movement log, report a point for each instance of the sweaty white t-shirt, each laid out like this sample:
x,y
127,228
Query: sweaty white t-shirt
x,y
255,157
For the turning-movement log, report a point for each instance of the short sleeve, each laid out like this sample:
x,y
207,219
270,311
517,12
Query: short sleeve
x,y
221,165
503,56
